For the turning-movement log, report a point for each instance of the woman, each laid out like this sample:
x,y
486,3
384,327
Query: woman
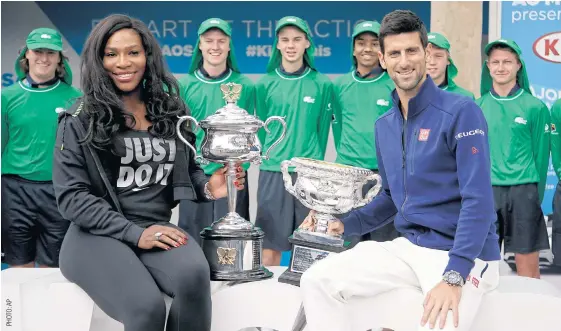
x,y
119,169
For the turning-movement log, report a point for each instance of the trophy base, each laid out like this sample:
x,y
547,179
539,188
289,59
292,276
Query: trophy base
x,y
242,276
304,254
318,238
226,254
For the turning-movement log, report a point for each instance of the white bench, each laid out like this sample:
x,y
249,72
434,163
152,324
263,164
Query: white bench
x,y
25,295
43,300
519,304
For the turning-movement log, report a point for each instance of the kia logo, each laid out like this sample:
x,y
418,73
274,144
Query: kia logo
x,y
548,47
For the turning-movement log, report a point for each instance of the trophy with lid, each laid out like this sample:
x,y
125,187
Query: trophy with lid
x,y
231,138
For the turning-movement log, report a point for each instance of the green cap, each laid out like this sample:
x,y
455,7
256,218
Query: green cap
x,y
47,39
276,58
197,58
362,27
44,38
440,41
521,77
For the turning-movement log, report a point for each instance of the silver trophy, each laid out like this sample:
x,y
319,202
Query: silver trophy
x,y
231,138
329,189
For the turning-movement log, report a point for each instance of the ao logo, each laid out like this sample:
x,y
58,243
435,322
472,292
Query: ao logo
x,y
534,3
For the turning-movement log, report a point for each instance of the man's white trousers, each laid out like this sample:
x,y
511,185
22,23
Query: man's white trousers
x,y
371,268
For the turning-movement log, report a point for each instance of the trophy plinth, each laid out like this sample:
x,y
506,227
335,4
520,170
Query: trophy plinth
x,y
304,254
231,139
328,189
225,250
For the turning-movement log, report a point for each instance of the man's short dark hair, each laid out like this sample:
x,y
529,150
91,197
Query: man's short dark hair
x,y
402,21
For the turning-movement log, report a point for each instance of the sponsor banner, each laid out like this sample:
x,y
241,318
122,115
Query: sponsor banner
x,y
175,26
536,28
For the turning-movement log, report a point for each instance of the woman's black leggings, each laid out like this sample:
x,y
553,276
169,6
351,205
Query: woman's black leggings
x,y
126,282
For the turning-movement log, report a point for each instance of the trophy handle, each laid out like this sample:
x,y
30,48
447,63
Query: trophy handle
x,y
182,119
281,120
286,177
372,192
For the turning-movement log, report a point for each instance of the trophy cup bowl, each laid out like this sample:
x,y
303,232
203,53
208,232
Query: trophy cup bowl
x,y
329,189
231,138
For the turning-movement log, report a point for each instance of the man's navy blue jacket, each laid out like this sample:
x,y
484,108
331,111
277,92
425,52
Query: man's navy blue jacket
x,y
436,178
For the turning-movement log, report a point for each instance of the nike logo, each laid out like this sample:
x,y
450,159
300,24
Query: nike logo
x,y
136,189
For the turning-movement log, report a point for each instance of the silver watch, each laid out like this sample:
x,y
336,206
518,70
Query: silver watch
x,y
453,278
208,195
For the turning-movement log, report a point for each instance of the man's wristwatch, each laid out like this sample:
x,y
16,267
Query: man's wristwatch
x,y
208,195
453,278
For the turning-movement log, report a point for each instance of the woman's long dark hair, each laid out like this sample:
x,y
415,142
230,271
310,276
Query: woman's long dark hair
x,y
101,98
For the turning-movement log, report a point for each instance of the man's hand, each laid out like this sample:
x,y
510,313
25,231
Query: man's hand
x,y
336,228
161,236
439,301
309,223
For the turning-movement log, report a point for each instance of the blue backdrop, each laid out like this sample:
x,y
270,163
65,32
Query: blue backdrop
x,y
175,25
532,24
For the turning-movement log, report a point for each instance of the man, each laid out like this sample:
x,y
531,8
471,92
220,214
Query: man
x,y
32,228
519,139
440,65
436,182
361,96
556,160
293,88
213,64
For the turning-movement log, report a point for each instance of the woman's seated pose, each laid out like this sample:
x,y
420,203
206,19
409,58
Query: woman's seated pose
x,y
119,170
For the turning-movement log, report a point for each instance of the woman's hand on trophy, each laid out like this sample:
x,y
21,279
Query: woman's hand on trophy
x,y
217,184
164,237
336,228
309,223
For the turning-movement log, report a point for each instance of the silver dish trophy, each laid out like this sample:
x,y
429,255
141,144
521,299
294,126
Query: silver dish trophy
x,y
329,189
231,139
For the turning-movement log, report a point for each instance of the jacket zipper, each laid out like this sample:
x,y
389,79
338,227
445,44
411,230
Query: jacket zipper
x,y
404,168
102,174
412,156
403,160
